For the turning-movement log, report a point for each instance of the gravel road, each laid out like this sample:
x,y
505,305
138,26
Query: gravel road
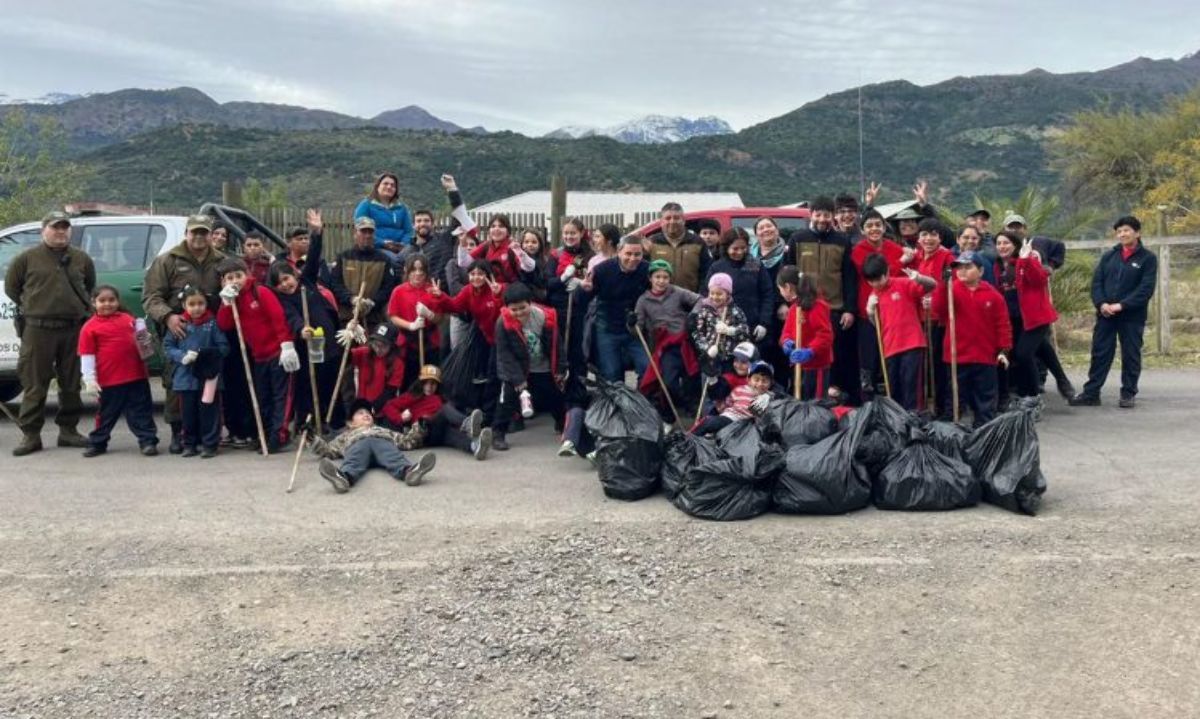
x,y
156,587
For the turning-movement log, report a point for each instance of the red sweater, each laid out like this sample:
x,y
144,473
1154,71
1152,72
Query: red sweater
x,y
422,406
900,315
110,338
263,323
481,304
375,374
505,265
981,322
1033,294
864,249
259,269
816,334
934,266
403,304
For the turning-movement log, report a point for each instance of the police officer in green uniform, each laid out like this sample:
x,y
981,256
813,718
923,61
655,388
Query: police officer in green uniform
x,y
192,262
51,284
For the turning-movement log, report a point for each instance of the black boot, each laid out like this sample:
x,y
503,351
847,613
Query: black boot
x,y
176,446
499,443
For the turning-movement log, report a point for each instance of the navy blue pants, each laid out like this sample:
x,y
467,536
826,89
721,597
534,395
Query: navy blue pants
x,y
978,385
1130,330
271,385
201,422
844,373
132,401
905,374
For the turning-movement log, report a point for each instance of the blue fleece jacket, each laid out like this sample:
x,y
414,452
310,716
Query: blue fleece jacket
x,y
393,223
199,337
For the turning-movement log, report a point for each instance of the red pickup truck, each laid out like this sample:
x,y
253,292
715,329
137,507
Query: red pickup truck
x,y
789,219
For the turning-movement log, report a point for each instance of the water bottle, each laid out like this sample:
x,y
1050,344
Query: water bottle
x,y
316,346
145,342
526,404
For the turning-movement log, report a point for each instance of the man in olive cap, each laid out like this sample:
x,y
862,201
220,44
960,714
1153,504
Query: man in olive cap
x,y
193,262
51,284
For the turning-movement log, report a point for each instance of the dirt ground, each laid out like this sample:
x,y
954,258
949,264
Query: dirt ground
x,y
155,587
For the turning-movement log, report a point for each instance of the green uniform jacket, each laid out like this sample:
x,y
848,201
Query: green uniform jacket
x,y
51,284
170,273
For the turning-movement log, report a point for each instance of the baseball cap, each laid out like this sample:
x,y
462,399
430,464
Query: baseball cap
x,y
746,352
364,223
53,218
969,258
1013,218
763,368
199,222
980,212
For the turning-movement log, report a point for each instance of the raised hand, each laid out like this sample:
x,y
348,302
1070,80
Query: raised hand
x,y
315,223
448,183
872,192
921,192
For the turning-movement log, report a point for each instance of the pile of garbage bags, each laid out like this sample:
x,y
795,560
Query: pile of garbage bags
x,y
799,458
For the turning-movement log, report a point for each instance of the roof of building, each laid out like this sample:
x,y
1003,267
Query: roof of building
x,y
580,202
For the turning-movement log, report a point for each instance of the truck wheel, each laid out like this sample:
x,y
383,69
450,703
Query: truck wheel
x,y
8,390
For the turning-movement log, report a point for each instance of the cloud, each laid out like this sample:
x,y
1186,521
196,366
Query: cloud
x,y
533,65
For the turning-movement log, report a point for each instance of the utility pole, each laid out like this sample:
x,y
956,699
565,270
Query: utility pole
x,y
558,208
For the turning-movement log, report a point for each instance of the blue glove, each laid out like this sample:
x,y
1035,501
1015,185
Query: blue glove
x,y
800,356
788,346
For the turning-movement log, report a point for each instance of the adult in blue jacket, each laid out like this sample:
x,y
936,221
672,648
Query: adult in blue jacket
x,y
393,221
1122,286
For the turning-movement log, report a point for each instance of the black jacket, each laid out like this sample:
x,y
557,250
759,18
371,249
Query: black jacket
x,y
1129,283
440,248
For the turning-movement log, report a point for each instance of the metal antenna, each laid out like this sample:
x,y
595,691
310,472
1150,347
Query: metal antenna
x,y
862,173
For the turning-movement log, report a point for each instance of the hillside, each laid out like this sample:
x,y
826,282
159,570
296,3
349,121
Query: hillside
x,y
964,135
101,119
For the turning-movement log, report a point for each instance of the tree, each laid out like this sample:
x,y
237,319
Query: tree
x,y
258,196
1043,213
33,178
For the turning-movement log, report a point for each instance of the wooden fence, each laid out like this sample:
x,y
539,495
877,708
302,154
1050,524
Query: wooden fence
x,y
339,221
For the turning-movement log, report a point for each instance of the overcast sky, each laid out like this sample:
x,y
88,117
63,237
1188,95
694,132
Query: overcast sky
x,y
534,65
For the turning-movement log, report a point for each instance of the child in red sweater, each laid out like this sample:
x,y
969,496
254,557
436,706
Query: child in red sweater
x,y
268,341
981,334
813,351
426,419
873,244
112,367
895,306
379,366
410,309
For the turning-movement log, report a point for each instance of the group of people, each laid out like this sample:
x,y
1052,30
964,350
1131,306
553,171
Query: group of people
x,y
417,336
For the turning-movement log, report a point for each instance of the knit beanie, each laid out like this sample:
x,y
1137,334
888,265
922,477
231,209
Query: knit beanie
x,y
721,281
661,266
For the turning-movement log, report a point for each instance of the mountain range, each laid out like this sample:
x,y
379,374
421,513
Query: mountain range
x,y
966,135
649,130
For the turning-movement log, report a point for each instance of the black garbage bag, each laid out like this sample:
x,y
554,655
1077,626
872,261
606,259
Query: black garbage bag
x,y
824,478
628,445
682,452
801,422
466,369
726,490
1006,459
920,478
947,437
888,426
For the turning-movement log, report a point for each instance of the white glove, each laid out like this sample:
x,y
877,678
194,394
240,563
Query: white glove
x,y
909,253
365,305
573,283
759,405
911,274
288,359
90,386
406,416
1026,249
567,274
927,301
417,324
712,350
727,330
423,311
1002,360
872,304
189,357
229,293
759,332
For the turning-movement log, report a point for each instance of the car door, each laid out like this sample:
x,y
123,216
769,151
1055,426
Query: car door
x,y
11,245
121,253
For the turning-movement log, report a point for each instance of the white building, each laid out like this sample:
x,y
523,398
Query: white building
x,y
630,206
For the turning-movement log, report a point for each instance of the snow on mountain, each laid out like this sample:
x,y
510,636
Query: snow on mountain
x,y
50,98
650,130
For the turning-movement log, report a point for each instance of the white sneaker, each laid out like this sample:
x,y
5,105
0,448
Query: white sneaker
x,y
591,457
567,449
480,446
416,473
